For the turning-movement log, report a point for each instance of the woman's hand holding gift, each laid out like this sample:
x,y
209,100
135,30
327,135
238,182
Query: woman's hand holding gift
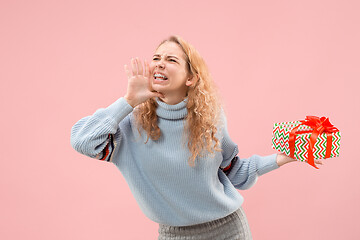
x,y
282,159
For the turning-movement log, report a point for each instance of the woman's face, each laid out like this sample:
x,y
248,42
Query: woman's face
x,y
169,62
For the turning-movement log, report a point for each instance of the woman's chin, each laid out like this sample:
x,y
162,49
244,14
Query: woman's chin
x,y
159,87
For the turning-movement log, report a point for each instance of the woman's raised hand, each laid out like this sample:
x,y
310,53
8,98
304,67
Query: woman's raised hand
x,y
139,86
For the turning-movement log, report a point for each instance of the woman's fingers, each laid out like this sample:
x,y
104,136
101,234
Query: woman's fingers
x,y
127,71
134,67
147,73
318,162
157,94
139,66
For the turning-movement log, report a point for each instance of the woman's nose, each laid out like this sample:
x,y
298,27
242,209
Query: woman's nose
x,y
160,64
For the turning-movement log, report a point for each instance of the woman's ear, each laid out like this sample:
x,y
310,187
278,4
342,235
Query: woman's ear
x,y
190,81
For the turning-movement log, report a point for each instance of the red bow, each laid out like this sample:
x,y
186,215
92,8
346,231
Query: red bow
x,y
319,125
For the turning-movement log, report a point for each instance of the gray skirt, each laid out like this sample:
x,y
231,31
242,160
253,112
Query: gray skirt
x,y
232,227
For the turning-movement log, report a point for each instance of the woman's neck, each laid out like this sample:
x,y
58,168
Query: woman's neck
x,y
172,99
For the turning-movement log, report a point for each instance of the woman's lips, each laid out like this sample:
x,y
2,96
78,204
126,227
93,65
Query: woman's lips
x,y
159,81
158,78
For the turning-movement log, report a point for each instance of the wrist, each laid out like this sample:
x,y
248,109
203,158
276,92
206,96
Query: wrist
x,y
130,101
282,159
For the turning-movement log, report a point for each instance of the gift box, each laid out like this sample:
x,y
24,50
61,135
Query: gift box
x,y
306,140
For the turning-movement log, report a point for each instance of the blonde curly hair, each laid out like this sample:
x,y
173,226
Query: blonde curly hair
x,y
203,107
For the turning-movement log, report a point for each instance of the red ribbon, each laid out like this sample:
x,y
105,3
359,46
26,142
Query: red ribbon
x,y
319,125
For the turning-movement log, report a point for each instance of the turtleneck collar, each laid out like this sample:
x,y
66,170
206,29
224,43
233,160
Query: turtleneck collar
x,y
173,112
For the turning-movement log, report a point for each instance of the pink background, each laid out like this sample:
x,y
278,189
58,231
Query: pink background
x,y
272,60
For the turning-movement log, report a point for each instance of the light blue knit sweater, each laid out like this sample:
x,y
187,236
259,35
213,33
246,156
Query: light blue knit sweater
x,y
167,189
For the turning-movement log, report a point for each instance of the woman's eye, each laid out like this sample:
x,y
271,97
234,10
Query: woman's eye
x,y
156,58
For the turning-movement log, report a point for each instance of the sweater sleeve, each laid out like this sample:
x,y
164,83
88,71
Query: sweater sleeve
x,y
243,173
97,136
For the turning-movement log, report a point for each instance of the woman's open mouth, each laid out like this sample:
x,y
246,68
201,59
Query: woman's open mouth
x,y
159,76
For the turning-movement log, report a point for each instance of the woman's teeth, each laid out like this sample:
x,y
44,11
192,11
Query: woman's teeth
x,y
160,77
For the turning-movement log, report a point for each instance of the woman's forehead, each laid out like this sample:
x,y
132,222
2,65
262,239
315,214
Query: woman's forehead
x,y
169,49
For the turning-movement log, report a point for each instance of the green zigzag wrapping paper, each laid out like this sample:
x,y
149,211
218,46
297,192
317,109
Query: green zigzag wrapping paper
x,y
280,141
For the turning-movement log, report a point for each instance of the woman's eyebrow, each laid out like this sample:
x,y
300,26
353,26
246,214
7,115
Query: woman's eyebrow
x,y
173,56
158,55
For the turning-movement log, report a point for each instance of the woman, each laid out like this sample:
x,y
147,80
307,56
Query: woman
x,y
169,139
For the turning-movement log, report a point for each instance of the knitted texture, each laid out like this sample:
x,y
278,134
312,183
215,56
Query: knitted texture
x,y
167,189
